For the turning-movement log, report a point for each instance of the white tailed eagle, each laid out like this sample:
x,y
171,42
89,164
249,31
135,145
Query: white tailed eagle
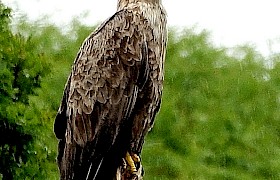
x,y
113,93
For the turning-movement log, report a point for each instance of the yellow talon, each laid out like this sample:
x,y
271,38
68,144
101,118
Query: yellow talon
x,y
136,158
130,161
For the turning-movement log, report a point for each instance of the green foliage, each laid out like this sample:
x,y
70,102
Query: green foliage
x,y
21,71
218,120
59,49
219,117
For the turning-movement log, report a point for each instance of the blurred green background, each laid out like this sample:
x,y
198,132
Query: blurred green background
x,y
219,118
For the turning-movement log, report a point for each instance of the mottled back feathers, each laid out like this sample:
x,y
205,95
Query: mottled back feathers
x,y
111,65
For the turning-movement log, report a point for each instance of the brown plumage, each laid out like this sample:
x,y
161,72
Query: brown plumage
x,y
113,92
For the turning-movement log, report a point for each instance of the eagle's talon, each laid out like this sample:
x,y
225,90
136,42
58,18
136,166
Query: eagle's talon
x,y
131,160
136,158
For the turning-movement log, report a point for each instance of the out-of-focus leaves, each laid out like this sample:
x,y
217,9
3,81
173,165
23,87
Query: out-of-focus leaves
x,y
219,115
57,49
21,71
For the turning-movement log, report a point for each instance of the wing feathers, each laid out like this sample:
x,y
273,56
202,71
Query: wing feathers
x,y
110,66
144,71
60,122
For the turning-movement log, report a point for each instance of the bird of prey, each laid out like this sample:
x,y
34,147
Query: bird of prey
x,y
113,93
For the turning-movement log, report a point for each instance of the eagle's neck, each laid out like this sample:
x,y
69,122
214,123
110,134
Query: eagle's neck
x,y
126,3
152,10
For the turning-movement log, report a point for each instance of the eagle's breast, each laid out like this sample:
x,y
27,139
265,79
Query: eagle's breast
x,y
156,17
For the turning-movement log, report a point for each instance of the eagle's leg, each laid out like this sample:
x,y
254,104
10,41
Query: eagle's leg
x,y
131,159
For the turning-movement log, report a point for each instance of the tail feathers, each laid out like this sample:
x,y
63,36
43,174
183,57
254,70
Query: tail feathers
x,y
75,163
93,171
106,168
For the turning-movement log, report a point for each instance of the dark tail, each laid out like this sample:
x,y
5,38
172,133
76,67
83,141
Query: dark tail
x,y
76,163
92,172
87,163
107,166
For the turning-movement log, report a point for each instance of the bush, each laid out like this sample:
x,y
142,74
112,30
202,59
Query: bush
x,y
21,72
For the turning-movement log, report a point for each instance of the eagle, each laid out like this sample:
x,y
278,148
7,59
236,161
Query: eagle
x,y
112,94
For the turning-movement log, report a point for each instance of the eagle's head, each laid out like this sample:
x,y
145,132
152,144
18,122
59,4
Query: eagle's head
x,y
124,3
